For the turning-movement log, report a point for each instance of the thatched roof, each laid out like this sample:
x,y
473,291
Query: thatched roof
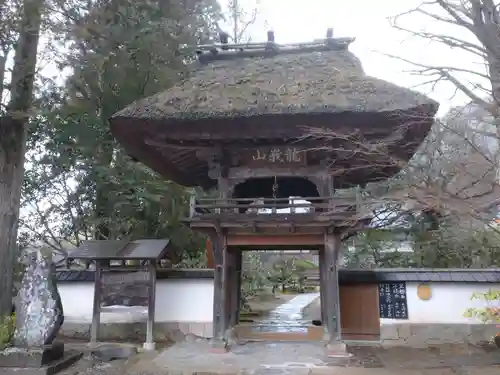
x,y
268,93
291,81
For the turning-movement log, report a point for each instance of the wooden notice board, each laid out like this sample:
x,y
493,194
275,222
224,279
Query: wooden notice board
x,y
125,288
392,300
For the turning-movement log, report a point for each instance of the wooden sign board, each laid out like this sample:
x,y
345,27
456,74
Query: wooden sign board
x,y
274,156
125,288
392,300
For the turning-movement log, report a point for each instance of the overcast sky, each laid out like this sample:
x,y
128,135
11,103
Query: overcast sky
x,y
368,22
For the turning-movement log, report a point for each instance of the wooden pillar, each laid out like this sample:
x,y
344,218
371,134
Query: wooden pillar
x,y
325,184
333,243
230,281
150,344
235,286
220,320
96,306
322,285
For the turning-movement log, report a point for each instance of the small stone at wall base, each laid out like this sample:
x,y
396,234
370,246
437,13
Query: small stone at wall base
x,y
110,353
177,335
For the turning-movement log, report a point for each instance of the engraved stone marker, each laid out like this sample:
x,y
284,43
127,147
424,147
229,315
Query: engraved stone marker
x,y
39,316
39,311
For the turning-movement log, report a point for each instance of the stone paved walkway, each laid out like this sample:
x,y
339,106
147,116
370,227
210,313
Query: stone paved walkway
x,y
288,316
309,358
288,358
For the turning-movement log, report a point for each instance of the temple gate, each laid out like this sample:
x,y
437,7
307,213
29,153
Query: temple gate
x,y
268,127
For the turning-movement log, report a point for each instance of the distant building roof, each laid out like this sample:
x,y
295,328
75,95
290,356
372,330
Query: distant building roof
x,y
346,276
122,250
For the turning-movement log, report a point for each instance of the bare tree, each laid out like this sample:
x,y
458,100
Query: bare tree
x,y
469,170
475,28
456,171
240,19
13,128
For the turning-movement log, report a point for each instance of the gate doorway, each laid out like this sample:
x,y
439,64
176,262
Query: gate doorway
x,y
274,296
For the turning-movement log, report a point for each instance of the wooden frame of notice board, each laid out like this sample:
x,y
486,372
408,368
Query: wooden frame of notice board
x,y
393,302
129,285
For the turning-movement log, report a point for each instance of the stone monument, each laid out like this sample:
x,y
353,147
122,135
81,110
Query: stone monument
x,y
39,316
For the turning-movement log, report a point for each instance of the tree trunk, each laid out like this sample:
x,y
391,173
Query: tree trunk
x,y
12,138
12,144
3,62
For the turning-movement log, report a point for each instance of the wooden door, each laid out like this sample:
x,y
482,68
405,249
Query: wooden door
x,y
359,315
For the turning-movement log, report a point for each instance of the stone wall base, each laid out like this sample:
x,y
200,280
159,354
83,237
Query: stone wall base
x,y
427,334
416,335
171,331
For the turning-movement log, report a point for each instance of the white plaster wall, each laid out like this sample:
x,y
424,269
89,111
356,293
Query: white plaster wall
x,y
191,300
448,303
183,300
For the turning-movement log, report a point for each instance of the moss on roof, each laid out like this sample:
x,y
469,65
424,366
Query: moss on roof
x,y
294,80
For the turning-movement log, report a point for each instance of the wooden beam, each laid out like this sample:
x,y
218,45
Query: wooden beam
x,y
96,306
279,240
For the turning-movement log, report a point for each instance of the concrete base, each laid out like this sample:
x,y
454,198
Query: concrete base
x,y
337,349
68,359
33,357
149,346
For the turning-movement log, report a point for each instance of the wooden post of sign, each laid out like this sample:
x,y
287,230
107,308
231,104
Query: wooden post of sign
x,y
150,344
335,346
96,306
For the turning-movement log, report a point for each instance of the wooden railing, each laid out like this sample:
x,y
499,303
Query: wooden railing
x,y
273,206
